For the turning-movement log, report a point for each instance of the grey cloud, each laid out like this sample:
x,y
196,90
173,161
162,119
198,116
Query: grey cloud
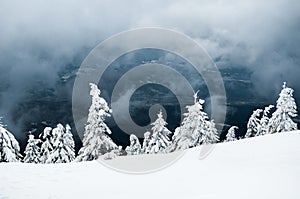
x,y
38,38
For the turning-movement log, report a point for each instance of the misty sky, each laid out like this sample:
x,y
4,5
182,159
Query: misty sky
x,y
38,39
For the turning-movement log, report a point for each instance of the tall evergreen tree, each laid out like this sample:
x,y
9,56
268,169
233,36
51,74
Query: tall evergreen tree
x,y
96,141
253,123
159,141
9,146
32,150
230,136
286,109
193,128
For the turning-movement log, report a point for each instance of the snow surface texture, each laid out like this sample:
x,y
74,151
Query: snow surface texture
x,y
260,167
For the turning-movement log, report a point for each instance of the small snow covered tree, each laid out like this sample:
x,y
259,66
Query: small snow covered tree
x,y
96,141
230,136
47,145
211,134
32,150
180,140
135,146
286,109
146,143
63,145
69,143
253,123
9,146
193,128
160,141
264,121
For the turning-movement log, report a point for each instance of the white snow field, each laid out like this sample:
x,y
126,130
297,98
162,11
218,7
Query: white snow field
x,y
261,167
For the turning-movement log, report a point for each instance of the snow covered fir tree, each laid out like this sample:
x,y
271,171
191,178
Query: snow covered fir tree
x,y
286,109
195,129
69,144
159,140
9,146
47,144
135,147
253,123
96,141
32,150
264,121
63,145
210,136
231,134
146,143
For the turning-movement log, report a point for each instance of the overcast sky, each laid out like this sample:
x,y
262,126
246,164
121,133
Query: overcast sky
x,y
37,38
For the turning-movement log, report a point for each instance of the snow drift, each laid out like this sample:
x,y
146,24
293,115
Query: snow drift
x,y
260,167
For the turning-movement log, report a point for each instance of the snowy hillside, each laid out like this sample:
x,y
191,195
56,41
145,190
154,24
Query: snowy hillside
x,y
260,167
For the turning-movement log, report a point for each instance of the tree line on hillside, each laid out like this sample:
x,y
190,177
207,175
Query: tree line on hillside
x,y
57,145
262,122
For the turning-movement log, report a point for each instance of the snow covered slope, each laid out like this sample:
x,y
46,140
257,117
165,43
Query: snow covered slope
x,y
261,167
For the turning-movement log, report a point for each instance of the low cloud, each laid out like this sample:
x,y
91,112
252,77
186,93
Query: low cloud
x,y
40,38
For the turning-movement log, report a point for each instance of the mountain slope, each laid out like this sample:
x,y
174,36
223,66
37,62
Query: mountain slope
x,y
261,167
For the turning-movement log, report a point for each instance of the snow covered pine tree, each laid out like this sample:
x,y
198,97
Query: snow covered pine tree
x,y
146,143
230,136
135,146
159,141
96,142
211,134
264,121
9,146
47,145
253,124
63,145
285,110
195,128
69,143
32,150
